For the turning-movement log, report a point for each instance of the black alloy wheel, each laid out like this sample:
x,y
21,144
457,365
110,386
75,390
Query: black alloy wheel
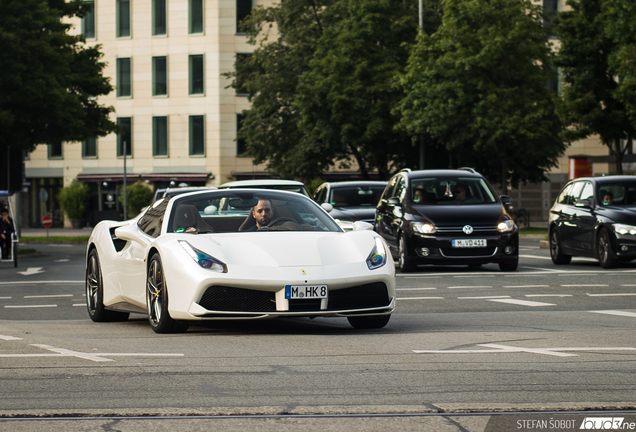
x,y
556,252
509,265
369,322
604,250
405,264
157,300
95,293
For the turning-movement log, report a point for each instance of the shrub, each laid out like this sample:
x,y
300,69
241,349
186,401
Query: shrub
x,y
139,196
74,199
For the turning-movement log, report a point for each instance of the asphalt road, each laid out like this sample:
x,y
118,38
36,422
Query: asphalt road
x,y
542,338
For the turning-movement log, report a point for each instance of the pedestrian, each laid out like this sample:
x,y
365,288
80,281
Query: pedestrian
x,y
6,229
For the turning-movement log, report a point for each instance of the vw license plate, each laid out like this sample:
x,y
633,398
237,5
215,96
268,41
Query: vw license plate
x,y
469,243
305,291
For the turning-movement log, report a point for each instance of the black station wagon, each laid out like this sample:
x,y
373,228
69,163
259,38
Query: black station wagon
x,y
595,217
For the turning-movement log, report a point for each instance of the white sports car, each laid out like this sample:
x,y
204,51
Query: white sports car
x,y
237,254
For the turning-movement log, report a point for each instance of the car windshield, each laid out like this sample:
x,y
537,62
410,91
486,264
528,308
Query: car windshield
x,y
620,193
356,196
451,191
230,210
286,187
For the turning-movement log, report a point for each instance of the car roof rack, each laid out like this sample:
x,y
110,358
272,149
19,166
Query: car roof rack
x,y
469,169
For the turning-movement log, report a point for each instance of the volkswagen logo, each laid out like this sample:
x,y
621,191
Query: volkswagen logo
x,y
467,229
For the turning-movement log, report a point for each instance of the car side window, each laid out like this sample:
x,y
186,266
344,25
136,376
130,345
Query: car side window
x,y
563,196
151,221
574,193
588,191
320,195
388,191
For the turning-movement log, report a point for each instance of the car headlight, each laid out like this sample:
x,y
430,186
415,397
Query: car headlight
x,y
204,260
505,226
625,229
377,257
423,227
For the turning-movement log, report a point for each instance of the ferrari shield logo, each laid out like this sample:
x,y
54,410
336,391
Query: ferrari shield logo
x,y
303,272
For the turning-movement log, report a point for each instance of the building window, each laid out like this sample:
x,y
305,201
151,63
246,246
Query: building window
x,y
159,76
240,87
55,150
197,135
124,81
550,9
123,18
196,74
159,17
241,146
196,16
243,9
89,148
88,20
124,136
160,136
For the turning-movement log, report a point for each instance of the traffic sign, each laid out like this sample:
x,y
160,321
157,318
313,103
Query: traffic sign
x,y
47,221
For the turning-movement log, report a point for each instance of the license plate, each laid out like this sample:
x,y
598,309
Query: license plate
x,y
469,243
305,291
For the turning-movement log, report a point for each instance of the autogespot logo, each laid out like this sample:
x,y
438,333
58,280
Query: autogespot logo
x,y
603,423
467,229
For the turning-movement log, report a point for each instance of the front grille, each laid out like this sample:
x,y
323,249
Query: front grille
x,y
459,229
222,298
468,252
359,297
297,305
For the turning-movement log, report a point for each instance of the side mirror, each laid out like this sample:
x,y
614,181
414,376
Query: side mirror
x,y
583,203
328,207
393,201
127,232
505,199
362,226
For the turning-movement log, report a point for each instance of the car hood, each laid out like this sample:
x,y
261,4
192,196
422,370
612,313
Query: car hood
x,y
353,213
485,214
625,215
285,249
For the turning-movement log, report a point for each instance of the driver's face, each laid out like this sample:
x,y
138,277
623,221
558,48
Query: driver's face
x,y
262,212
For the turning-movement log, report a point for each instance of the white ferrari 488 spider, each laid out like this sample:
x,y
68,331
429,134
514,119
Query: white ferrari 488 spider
x,y
237,254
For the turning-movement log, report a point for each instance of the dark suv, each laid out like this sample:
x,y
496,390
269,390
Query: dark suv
x,y
595,217
446,217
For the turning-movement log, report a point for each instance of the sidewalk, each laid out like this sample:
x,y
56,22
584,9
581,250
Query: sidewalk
x,y
55,232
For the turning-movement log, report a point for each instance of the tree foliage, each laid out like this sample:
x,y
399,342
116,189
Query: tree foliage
x,y
591,92
74,200
479,84
138,196
49,79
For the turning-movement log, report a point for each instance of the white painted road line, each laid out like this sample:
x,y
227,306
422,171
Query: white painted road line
x,y
469,286
615,312
475,276
629,285
588,285
49,296
28,306
420,298
9,338
522,302
484,297
526,286
611,295
42,282
535,257
414,289
96,357
578,274
80,304
548,295
5,298
512,349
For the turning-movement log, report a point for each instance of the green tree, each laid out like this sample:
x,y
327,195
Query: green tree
x,y
138,196
620,25
74,200
347,97
285,36
591,101
479,84
49,79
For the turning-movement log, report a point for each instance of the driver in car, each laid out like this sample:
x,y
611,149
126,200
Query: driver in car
x,y
262,213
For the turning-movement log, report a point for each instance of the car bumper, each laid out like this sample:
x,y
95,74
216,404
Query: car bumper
x,y
626,246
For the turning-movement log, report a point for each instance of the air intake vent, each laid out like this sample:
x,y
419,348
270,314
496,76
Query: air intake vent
x,y
230,299
358,297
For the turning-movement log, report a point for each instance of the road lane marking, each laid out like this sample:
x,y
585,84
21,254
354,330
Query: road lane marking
x,y
470,286
49,296
523,302
96,357
62,260
80,304
535,257
474,276
484,297
420,298
526,286
578,274
629,285
28,306
497,348
615,312
420,277
31,271
414,289
5,298
548,295
9,338
611,295
588,285
42,282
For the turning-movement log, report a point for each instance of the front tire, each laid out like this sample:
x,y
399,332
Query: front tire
x,y
95,293
405,264
556,251
509,265
606,255
369,322
157,300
